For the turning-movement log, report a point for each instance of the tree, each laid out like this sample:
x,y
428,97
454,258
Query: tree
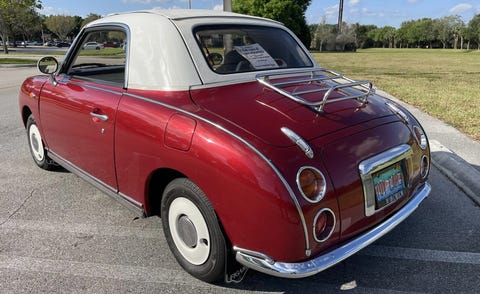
x,y
91,17
446,28
289,12
473,33
11,13
60,25
322,33
385,36
346,39
362,33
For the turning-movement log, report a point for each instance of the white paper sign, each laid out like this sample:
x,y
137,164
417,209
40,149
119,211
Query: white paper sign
x,y
257,56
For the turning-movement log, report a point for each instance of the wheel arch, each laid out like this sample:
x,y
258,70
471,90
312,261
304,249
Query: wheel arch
x,y
156,184
26,112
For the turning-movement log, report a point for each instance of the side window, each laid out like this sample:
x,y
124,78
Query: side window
x,y
101,57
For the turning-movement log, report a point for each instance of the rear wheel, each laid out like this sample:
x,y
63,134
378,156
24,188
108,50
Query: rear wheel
x,y
35,144
192,230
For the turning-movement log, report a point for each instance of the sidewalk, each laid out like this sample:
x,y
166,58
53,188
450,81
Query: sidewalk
x,y
456,155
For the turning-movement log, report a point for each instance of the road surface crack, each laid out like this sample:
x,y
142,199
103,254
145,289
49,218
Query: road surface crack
x,y
18,208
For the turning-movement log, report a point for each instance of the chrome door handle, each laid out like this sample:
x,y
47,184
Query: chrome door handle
x,y
101,117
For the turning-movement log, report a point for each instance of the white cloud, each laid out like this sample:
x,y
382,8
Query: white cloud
x,y
50,10
218,7
331,11
352,3
460,8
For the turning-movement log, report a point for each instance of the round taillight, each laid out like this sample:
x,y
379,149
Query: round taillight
x,y
424,166
311,184
420,137
323,225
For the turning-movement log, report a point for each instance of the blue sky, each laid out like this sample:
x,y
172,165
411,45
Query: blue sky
x,y
377,12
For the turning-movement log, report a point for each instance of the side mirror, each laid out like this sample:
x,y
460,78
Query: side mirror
x,y
47,65
215,58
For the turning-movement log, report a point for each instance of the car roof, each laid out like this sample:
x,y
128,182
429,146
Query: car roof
x,y
179,14
164,54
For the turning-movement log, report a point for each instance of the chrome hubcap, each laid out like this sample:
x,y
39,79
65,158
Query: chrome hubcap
x,y
187,231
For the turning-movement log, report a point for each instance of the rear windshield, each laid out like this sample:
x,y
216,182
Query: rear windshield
x,y
233,49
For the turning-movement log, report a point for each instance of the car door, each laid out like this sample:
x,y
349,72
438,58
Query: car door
x,y
78,108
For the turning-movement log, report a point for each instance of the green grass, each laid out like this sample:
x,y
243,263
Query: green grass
x,y
443,83
107,52
17,61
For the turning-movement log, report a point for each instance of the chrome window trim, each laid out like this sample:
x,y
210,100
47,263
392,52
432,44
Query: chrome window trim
x,y
75,49
258,261
260,154
378,162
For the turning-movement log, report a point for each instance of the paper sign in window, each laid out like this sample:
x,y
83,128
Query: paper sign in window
x,y
257,56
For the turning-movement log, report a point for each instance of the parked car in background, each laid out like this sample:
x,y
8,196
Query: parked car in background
x,y
111,44
93,46
224,125
63,44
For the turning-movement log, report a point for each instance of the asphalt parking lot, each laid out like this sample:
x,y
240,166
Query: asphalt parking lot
x,y
60,235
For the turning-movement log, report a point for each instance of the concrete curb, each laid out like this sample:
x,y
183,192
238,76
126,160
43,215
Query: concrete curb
x,y
460,172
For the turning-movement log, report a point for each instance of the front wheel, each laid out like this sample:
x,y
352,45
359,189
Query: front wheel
x,y
37,149
192,230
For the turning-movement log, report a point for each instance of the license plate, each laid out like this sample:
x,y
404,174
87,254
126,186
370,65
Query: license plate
x,y
389,185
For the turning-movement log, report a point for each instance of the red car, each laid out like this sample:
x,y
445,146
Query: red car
x,y
224,125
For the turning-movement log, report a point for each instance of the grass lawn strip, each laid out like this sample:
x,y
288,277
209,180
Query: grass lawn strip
x,y
443,83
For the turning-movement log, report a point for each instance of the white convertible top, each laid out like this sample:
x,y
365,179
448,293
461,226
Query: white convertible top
x,y
162,51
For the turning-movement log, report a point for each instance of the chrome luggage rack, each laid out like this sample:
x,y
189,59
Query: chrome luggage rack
x,y
333,81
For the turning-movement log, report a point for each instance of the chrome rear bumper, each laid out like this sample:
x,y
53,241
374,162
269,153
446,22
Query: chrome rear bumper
x,y
265,264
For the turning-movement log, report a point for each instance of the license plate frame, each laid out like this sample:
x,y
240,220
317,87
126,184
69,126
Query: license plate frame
x,y
389,185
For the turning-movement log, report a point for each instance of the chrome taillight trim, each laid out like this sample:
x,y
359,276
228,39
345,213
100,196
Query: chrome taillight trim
x,y
333,225
378,162
424,172
319,196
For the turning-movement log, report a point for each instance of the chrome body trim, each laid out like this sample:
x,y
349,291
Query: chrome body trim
x,y
420,136
299,141
398,112
260,154
378,162
125,200
329,259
